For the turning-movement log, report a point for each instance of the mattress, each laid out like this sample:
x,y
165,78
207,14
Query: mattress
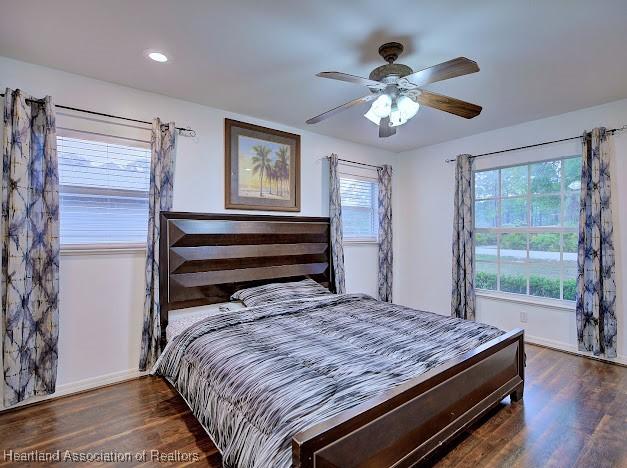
x,y
180,320
257,377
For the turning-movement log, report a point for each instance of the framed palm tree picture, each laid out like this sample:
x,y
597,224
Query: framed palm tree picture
x,y
262,168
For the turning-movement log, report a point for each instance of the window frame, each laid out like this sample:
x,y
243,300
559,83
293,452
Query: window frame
x,y
344,174
68,249
528,230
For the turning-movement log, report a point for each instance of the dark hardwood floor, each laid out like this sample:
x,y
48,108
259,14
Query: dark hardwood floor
x,y
574,413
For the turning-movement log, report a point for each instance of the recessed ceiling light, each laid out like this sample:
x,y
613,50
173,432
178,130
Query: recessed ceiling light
x,y
157,56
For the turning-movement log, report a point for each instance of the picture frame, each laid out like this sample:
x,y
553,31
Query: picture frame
x,y
262,168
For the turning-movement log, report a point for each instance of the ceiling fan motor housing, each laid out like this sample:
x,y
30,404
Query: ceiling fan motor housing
x,y
390,52
394,70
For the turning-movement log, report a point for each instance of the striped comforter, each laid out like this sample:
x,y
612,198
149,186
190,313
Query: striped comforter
x,y
256,377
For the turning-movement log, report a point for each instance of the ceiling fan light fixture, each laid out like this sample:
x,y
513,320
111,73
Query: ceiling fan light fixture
x,y
397,118
407,107
374,118
403,109
382,106
380,109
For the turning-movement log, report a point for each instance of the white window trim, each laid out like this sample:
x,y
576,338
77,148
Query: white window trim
x,y
527,298
549,303
358,241
100,249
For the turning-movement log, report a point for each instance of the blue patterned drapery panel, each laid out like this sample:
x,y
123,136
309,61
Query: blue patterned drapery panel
x,y
163,148
596,287
335,215
30,247
463,292
384,175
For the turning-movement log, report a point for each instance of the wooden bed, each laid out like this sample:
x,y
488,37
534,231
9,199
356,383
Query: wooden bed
x,y
204,258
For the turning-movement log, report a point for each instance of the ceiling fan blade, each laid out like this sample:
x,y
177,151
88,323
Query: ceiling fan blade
x,y
384,128
351,79
457,67
448,104
344,106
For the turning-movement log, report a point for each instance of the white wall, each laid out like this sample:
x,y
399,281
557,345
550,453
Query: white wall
x,y
102,294
425,210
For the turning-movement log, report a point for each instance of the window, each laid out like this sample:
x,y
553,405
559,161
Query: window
x,y
359,209
526,220
103,192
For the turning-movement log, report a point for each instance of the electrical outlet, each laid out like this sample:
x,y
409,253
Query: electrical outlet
x,y
523,317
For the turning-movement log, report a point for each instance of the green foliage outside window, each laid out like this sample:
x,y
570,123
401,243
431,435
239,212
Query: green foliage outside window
x,y
515,284
516,241
539,285
549,241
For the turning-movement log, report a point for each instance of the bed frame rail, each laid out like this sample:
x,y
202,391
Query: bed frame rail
x,y
405,425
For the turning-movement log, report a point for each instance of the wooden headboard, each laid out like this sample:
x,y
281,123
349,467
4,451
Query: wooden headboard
x,y
204,258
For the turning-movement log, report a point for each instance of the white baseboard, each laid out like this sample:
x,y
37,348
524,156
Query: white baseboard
x,y
620,359
83,385
95,382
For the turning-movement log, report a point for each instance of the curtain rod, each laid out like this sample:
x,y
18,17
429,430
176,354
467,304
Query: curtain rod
x,y
613,130
358,163
186,131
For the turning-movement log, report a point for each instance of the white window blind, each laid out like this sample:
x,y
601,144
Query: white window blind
x,y
103,192
359,208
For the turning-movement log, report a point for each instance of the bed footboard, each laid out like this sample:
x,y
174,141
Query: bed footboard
x,y
403,426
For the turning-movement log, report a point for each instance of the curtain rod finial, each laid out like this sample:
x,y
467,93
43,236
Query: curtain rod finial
x,y
187,132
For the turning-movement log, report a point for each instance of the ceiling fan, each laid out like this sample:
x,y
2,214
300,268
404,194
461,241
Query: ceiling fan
x,y
397,90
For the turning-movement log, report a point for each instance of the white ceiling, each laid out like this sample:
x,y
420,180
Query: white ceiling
x,y
537,58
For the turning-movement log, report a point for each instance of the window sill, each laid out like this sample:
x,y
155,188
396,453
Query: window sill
x,y
101,249
528,300
360,241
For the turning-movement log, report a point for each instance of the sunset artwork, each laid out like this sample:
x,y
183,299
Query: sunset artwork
x,y
264,169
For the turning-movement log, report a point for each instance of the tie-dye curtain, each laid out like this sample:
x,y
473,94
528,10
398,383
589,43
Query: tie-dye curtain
x,y
163,147
385,233
596,287
463,293
30,247
335,215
